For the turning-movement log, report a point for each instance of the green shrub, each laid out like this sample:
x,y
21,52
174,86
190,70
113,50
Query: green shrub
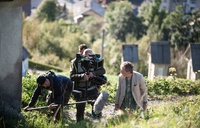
x,y
28,86
173,86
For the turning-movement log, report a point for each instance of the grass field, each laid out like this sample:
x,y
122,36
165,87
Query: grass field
x,y
173,103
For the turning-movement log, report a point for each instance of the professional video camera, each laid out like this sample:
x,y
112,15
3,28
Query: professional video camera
x,y
93,62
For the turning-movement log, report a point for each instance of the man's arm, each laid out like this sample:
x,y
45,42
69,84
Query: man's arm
x,y
117,95
143,90
34,98
74,75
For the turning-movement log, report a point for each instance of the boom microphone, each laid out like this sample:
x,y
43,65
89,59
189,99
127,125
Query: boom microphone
x,y
100,102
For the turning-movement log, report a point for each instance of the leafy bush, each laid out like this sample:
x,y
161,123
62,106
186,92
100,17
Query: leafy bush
x,y
158,88
28,86
173,86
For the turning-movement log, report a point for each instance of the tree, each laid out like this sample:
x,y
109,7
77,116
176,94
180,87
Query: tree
x,y
153,18
92,26
47,10
31,35
194,26
121,21
184,28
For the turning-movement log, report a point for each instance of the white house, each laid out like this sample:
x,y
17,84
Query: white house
x,y
192,56
87,8
25,56
159,59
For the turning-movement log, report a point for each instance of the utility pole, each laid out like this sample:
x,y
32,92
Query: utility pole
x,y
102,47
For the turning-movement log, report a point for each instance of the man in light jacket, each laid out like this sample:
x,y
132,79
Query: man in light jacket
x,y
131,90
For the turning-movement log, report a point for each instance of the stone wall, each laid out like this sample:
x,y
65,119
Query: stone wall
x,y
10,60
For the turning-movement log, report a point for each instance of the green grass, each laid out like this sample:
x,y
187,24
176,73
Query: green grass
x,y
181,113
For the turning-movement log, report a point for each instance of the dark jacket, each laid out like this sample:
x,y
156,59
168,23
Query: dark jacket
x,y
77,73
58,84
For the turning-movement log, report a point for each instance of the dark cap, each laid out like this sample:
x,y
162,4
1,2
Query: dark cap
x,y
41,80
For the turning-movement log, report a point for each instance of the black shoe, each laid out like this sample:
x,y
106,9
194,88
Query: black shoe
x,y
96,116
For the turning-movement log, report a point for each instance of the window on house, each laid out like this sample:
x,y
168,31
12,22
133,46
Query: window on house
x,y
192,8
192,1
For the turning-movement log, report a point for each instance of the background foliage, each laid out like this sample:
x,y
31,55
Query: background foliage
x,y
54,41
47,10
121,21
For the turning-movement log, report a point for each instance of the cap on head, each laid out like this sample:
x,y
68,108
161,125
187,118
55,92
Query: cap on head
x,y
41,80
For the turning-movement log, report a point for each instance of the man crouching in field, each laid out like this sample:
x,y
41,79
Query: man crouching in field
x,y
60,87
131,92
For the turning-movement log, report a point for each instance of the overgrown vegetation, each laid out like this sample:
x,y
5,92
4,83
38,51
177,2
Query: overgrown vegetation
x,y
179,107
54,41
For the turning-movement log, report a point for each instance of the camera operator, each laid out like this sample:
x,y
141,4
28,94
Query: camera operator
x,y
80,74
81,48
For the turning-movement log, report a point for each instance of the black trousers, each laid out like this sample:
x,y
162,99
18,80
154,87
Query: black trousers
x,y
65,98
80,107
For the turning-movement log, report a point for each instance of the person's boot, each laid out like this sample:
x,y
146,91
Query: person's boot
x,y
93,115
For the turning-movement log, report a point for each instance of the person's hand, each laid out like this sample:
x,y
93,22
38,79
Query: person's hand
x,y
99,90
26,108
144,106
52,105
86,77
117,107
91,75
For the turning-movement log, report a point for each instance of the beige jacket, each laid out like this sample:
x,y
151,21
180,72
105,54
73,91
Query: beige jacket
x,y
139,90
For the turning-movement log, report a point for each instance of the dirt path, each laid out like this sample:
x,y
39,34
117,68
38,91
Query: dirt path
x,y
109,112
